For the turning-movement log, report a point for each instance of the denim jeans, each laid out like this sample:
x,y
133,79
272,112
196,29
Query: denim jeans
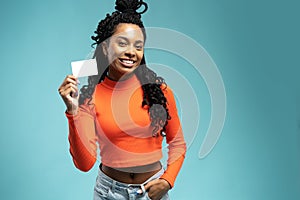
x,y
110,189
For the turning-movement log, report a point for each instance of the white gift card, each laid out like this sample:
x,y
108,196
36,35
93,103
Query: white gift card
x,y
84,68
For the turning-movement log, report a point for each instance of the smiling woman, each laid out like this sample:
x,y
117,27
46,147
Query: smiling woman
x,y
124,51
128,110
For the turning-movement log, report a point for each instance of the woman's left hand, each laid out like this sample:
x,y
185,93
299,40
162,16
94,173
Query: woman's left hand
x,y
157,188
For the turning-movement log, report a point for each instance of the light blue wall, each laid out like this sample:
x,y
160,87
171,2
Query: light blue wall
x,y
255,45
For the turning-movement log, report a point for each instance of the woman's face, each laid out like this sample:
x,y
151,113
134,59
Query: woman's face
x,y
124,50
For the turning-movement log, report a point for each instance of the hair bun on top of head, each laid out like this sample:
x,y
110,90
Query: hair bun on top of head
x,y
130,6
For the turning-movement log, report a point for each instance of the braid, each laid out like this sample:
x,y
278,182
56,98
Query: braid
x,y
125,13
153,97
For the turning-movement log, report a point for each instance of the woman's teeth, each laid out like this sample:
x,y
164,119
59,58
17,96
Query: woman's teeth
x,y
127,61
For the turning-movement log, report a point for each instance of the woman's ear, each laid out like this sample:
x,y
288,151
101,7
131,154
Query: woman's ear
x,y
104,48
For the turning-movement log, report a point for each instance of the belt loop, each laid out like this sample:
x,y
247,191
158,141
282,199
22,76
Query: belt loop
x,y
113,186
143,189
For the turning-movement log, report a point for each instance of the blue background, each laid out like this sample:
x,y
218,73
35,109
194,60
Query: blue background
x,y
255,45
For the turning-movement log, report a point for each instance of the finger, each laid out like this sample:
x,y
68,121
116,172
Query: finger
x,y
165,182
75,79
70,79
65,79
150,184
66,93
72,85
72,96
67,86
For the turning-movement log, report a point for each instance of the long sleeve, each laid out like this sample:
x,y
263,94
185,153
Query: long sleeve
x,y
175,141
82,138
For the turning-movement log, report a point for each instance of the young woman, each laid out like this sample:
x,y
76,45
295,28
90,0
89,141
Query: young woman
x,y
128,110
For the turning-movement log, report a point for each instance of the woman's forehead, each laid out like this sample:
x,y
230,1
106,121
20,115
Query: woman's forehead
x,y
129,31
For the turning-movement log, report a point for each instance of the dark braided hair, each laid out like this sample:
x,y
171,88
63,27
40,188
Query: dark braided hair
x,y
153,97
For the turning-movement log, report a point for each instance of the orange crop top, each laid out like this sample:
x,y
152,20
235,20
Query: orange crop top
x,y
116,120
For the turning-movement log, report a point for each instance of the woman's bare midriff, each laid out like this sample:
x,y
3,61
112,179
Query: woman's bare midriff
x,y
132,175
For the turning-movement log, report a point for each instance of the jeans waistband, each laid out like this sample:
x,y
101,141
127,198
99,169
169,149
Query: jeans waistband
x,y
111,183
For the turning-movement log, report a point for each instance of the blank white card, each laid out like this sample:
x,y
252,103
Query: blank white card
x,y
84,68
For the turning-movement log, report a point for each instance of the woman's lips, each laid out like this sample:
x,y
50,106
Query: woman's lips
x,y
127,62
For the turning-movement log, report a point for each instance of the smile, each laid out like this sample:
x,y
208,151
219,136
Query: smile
x,y
127,62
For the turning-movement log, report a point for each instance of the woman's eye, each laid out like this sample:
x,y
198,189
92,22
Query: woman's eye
x,y
122,44
139,47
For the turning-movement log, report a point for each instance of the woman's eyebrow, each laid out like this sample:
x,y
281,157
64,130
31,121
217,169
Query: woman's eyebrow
x,y
139,41
125,38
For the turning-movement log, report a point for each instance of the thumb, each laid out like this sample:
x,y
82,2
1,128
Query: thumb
x,y
150,184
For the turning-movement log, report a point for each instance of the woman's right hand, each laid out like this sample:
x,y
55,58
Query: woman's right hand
x,y
69,93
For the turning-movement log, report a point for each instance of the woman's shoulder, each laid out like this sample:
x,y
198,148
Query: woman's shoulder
x,y
168,92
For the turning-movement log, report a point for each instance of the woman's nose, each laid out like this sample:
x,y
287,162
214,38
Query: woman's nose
x,y
130,52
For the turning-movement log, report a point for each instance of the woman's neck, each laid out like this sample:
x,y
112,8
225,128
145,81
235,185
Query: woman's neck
x,y
113,77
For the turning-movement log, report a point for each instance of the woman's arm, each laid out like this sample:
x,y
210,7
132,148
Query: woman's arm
x,y
82,135
176,154
82,138
175,140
